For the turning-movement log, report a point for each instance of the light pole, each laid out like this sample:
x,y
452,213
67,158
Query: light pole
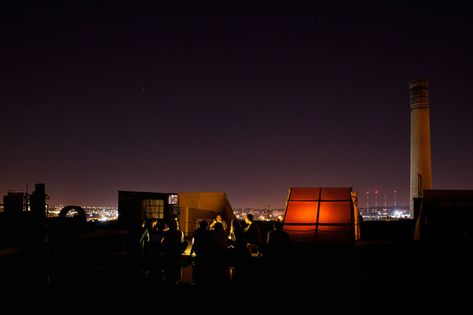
x,y
376,199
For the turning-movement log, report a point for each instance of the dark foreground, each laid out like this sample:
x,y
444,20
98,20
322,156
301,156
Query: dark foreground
x,y
366,273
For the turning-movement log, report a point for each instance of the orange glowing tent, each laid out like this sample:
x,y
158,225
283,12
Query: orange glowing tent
x,y
322,215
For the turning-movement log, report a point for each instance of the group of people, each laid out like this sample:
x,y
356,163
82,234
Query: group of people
x,y
219,253
161,244
222,253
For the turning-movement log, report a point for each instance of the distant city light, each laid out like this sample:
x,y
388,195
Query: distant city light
x,y
94,213
384,213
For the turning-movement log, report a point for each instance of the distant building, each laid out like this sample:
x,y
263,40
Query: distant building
x,y
445,215
15,202
135,206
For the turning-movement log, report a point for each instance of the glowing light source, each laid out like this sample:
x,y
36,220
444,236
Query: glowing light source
x,y
321,214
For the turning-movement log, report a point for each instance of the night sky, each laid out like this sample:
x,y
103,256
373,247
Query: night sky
x,y
249,101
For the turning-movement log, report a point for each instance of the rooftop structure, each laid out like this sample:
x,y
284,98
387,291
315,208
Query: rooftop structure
x,y
322,215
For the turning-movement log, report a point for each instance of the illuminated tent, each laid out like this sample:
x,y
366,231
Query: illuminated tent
x,y
196,206
322,215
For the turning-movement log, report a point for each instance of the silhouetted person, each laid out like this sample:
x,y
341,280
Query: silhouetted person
x,y
199,238
153,250
278,241
142,243
216,270
172,242
280,268
252,234
236,236
200,247
238,253
145,229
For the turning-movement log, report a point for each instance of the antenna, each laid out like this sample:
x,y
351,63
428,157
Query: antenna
x,y
376,199
395,201
26,200
367,200
385,203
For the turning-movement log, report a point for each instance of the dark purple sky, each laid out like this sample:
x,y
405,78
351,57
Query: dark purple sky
x,y
98,98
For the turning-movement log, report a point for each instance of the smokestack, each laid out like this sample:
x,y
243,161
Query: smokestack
x,y
421,165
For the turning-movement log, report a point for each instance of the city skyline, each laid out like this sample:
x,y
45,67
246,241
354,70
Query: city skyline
x,y
98,99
